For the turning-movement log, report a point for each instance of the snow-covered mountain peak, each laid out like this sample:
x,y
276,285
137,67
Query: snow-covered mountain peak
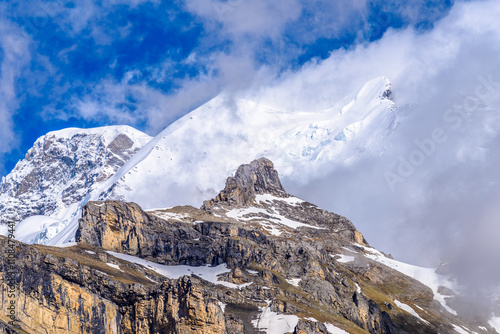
x,y
374,91
63,166
202,147
106,133
375,86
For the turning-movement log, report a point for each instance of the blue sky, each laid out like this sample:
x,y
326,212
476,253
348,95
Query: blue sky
x,y
146,63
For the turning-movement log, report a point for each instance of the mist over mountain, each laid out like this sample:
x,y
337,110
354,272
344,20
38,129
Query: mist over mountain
x,y
187,161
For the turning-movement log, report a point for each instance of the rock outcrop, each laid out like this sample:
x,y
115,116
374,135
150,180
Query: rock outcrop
x,y
5,328
258,177
71,291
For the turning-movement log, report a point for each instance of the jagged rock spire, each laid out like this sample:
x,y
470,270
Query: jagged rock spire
x,y
257,177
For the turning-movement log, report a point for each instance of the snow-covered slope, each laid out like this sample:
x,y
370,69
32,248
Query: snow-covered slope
x,y
190,159
59,171
426,276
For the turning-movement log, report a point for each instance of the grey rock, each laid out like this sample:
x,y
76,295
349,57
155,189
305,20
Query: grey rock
x,y
258,177
310,327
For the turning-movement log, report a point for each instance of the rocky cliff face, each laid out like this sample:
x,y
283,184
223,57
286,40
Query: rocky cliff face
x,y
63,166
75,290
253,260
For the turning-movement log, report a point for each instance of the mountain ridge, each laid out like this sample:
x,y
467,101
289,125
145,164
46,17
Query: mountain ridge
x,y
231,267
204,146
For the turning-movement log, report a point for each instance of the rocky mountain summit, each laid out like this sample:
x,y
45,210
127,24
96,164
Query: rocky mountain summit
x,y
57,175
63,166
259,177
254,259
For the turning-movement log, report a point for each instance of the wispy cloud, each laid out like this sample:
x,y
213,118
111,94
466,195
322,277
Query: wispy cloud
x,y
73,17
135,103
238,18
15,57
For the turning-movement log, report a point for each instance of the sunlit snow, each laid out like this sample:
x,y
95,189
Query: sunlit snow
x,y
426,276
342,258
259,214
335,330
274,323
495,323
175,271
409,309
270,198
294,281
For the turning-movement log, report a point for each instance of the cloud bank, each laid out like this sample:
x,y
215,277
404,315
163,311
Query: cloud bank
x,y
434,193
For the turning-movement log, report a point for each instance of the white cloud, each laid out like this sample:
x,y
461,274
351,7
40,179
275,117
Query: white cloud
x,y
255,18
136,104
15,56
76,17
449,79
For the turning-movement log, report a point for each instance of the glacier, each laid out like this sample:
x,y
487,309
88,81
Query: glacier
x,y
189,161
